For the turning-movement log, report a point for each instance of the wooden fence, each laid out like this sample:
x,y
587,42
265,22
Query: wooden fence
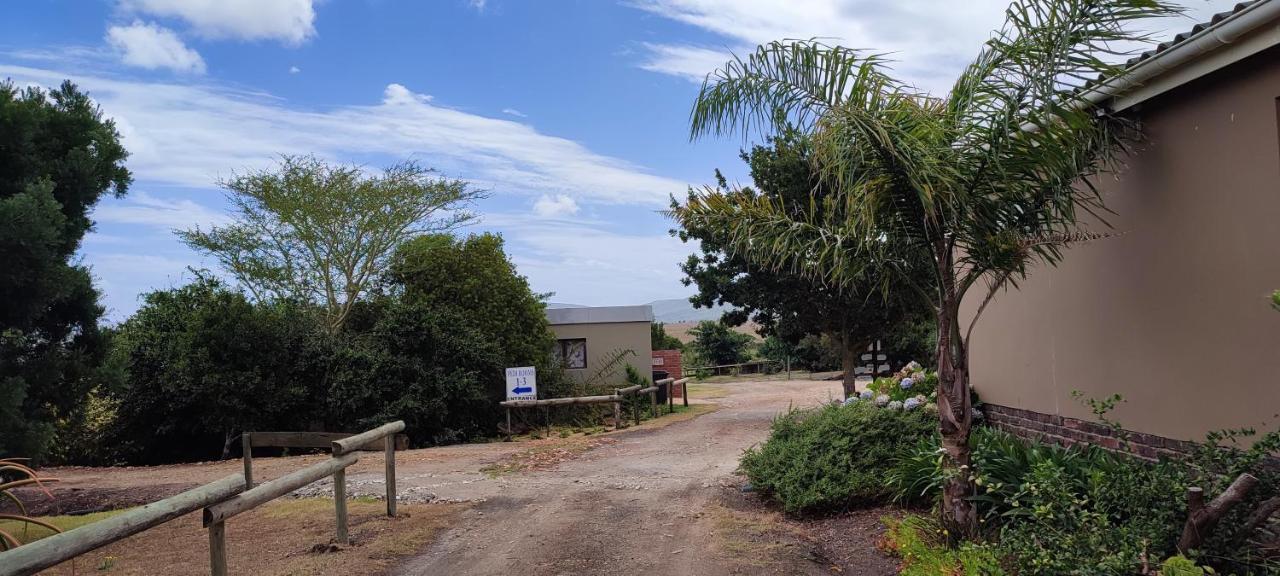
x,y
618,396
221,500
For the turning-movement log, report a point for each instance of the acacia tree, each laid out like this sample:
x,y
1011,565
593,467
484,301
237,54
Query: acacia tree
x,y
981,185
784,303
312,231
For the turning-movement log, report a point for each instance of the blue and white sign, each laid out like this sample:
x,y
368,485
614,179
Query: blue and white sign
x,y
522,383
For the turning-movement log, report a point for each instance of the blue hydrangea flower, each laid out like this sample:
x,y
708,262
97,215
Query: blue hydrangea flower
x,y
867,395
911,404
906,383
850,400
913,366
895,405
882,400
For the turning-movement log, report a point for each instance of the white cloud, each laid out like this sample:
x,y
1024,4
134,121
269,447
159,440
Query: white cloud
x,y
692,62
592,263
294,69
191,135
146,45
148,210
478,4
551,207
514,112
930,41
289,21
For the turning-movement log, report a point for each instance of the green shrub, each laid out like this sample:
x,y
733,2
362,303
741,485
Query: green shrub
x,y
1182,566
1085,510
832,457
922,384
917,541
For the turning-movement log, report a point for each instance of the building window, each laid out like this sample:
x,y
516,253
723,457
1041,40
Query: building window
x,y
572,352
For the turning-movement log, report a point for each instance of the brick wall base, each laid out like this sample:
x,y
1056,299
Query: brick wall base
x,y
669,361
1064,431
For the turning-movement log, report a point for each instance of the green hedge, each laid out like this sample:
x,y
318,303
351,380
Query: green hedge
x,y
833,457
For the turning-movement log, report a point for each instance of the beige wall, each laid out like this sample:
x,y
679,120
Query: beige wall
x,y
603,339
1173,314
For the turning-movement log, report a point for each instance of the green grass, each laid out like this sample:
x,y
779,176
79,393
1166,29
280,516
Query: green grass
x,y
27,533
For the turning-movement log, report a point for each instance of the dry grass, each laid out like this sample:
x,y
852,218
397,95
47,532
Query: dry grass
x,y
754,538
284,538
680,330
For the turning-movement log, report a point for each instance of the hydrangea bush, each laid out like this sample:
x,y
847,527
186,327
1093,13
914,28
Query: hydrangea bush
x,y
912,382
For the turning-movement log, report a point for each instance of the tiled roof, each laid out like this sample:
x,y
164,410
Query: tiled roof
x,y
1180,38
1177,40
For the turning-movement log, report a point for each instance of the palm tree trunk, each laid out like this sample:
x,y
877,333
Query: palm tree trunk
x,y
954,409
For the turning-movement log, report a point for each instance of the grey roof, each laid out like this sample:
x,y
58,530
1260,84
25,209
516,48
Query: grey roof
x,y
600,314
1176,40
1198,28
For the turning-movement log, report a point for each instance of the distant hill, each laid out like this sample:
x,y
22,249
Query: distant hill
x,y
669,311
680,310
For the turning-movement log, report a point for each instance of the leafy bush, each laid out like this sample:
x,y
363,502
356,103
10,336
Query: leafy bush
x,y
916,541
832,457
420,364
1058,510
203,364
717,344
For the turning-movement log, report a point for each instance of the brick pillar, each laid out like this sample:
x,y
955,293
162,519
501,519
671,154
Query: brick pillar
x,y
668,361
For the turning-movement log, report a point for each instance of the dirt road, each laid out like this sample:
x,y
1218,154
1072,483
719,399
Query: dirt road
x,y
658,499
644,504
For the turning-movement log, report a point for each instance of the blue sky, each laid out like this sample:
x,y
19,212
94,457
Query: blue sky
x,y
573,113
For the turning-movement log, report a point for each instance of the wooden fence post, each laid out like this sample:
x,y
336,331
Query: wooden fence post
x,y
391,474
671,398
246,444
684,392
617,412
340,503
653,404
218,549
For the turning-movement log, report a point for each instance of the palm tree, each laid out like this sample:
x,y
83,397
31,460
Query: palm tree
x,y
978,186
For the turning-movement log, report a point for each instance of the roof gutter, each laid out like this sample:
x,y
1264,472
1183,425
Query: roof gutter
x,y
1169,68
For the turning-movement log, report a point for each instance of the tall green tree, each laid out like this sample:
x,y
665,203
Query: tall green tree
x,y
717,344
58,157
660,340
784,302
982,184
474,276
204,363
312,231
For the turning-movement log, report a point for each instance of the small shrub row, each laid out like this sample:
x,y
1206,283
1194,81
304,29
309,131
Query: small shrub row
x,y
834,456
1085,510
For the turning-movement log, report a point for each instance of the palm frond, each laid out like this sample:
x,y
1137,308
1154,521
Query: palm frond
x,y
787,81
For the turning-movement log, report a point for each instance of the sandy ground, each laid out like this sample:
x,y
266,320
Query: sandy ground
x,y
661,498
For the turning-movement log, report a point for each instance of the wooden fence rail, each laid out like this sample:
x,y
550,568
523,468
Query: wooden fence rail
x,y
221,500
58,548
344,455
618,396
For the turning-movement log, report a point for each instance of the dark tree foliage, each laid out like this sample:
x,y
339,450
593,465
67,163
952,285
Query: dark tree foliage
x,y
715,343
427,365
58,157
660,340
785,304
473,277
204,364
